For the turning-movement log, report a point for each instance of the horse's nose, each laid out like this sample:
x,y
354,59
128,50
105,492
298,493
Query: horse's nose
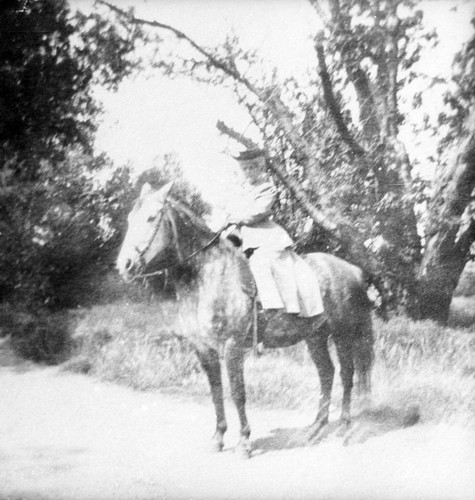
x,y
128,265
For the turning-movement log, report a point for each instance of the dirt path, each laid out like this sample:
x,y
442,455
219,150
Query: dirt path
x,y
66,436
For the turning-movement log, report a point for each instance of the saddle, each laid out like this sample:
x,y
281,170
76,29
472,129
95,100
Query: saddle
x,y
288,281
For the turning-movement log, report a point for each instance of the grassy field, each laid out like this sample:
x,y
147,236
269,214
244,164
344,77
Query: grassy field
x,y
417,363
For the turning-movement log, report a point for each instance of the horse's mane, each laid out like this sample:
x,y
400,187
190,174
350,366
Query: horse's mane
x,y
189,229
193,237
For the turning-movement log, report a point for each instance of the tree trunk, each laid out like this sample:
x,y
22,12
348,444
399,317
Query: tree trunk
x,y
451,233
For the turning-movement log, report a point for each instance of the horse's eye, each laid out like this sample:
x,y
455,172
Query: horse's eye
x,y
151,218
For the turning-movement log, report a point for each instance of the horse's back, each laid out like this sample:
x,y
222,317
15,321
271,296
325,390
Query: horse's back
x,y
328,264
343,287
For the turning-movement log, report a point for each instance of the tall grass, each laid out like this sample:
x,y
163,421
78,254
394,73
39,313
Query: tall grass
x,y
426,364
417,363
137,345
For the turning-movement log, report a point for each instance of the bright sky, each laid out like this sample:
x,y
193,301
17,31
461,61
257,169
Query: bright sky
x,y
150,117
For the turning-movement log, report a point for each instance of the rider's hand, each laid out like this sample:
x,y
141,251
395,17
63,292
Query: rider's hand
x,y
228,229
233,221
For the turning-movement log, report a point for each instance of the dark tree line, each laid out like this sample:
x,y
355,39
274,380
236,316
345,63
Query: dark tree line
x,y
53,218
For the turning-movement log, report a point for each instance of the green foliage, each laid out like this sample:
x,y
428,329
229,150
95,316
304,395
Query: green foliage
x,y
54,218
46,103
52,230
167,169
49,61
462,97
37,336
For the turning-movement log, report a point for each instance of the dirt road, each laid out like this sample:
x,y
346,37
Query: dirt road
x,y
66,436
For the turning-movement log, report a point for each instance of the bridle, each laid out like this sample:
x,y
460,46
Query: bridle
x,y
179,206
142,252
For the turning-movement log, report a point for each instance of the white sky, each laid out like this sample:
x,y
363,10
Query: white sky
x,y
150,117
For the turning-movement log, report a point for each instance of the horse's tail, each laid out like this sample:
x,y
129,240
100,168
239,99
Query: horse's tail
x,y
363,357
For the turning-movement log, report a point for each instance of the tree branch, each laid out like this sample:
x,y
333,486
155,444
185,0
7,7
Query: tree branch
x,y
393,23
292,185
214,61
333,106
299,194
268,97
245,141
370,101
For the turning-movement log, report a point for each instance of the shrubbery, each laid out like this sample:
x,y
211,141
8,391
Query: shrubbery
x,y
38,336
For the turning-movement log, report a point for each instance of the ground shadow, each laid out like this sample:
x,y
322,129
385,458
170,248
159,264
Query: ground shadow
x,y
367,424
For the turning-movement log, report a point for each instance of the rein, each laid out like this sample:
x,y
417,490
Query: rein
x,y
194,218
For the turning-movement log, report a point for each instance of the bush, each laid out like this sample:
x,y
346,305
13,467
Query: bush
x,y
134,344
39,336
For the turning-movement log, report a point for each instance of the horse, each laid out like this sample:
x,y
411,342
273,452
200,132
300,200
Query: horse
x,y
163,232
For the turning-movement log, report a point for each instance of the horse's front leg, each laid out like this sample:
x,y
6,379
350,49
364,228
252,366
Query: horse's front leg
x,y
209,360
234,356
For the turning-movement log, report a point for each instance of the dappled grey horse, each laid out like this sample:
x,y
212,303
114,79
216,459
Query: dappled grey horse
x,y
164,232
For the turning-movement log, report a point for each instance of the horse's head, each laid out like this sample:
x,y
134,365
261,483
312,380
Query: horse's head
x,y
148,236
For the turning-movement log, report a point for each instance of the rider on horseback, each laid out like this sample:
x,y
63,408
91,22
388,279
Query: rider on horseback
x,y
284,280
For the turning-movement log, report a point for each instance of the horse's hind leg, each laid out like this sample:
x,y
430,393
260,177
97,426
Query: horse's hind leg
x,y
209,360
318,347
344,349
234,356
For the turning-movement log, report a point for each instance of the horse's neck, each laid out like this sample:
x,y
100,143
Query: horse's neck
x,y
190,234
219,268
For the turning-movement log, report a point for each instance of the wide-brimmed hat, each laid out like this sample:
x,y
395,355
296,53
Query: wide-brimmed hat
x,y
249,154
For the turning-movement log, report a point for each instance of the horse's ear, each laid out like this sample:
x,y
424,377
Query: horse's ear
x,y
165,190
146,189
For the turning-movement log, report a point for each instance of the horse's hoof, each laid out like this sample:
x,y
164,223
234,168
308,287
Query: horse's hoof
x,y
217,444
344,428
412,415
217,447
243,449
315,430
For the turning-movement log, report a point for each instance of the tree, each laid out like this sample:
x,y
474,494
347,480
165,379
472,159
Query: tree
x,y
451,225
65,224
354,178
53,219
